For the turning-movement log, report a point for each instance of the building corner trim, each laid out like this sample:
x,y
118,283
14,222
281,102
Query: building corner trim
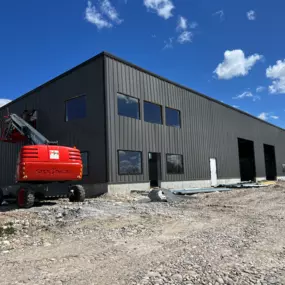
x,y
105,115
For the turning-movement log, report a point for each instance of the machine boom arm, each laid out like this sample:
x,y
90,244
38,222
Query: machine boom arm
x,y
14,122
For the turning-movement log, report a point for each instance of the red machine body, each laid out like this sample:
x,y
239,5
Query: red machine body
x,y
47,163
40,162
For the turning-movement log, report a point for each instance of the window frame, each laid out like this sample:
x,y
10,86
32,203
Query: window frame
x,y
161,112
166,107
139,106
118,163
183,170
72,98
87,168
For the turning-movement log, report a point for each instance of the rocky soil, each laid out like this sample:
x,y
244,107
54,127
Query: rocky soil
x,y
236,237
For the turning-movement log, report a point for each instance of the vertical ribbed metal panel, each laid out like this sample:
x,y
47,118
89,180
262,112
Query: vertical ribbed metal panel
x,y
209,129
87,134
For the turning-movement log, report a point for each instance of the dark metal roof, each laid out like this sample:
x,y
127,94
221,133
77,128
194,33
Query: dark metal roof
x,y
104,53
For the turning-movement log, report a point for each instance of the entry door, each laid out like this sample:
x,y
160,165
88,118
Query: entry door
x,y
154,167
270,162
213,168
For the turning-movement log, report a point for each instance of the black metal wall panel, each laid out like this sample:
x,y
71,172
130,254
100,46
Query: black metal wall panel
x,y
209,129
87,134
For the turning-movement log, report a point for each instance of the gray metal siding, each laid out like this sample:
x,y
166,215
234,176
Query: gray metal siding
x,y
87,134
209,129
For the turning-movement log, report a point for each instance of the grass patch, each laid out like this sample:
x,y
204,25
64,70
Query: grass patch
x,y
7,230
10,231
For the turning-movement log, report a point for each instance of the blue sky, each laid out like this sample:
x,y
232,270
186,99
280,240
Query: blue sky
x,y
224,49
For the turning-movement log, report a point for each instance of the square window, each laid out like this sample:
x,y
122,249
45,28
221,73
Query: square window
x,y
152,113
75,108
128,106
85,161
172,117
175,164
130,162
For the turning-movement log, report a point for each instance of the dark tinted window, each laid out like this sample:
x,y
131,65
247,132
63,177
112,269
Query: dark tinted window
x,y
172,117
130,162
152,113
84,157
128,106
174,163
75,108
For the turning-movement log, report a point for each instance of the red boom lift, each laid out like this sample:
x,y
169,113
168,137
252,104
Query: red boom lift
x,y
40,163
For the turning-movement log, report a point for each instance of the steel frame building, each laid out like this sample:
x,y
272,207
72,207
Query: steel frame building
x,y
136,129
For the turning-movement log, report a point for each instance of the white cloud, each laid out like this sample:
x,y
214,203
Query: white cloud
x,y
162,7
97,18
244,95
168,44
277,74
255,98
266,116
263,116
260,89
235,106
221,14
94,17
193,25
4,102
235,64
185,37
110,11
251,15
182,23
247,94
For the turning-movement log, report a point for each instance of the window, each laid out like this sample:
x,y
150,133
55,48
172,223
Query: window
x,y
172,117
130,162
152,113
128,106
174,164
85,160
75,108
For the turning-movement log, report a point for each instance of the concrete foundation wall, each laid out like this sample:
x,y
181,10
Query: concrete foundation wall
x,y
185,184
229,181
260,179
126,188
196,183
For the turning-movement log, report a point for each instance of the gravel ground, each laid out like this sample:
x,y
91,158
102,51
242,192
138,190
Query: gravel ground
x,y
220,238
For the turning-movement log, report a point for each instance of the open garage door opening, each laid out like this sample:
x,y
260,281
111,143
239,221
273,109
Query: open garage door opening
x,y
246,160
270,162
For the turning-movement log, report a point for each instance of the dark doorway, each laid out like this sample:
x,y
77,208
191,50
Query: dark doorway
x,y
270,162
246,160
154,166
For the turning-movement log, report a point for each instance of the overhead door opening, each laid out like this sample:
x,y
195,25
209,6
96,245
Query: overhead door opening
x,y
270,162
246,160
